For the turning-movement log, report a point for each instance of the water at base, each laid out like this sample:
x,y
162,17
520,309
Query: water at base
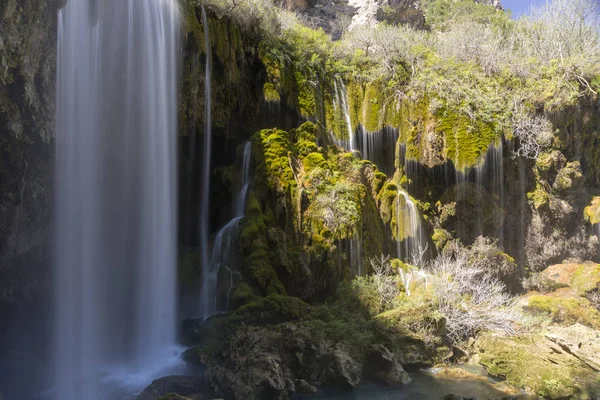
x,y
409,225
206,290
116,187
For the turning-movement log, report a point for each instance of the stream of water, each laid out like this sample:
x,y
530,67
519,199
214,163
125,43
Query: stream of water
x,y
116,186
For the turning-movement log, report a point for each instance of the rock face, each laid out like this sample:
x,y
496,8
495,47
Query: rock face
x,y
27,74
276,362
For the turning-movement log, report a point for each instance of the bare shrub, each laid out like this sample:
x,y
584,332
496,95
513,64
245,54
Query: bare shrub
x,y
384,281
534,134
469,297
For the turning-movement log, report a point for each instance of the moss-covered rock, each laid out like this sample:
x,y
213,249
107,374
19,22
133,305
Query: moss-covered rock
x,y
569,178
592,212
582,278
537,363
564,307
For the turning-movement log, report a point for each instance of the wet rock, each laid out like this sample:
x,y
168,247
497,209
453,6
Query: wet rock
x,y
386,366
177,387
348,369
303,387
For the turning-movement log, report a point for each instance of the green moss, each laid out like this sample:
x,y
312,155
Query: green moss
x,y
569,178
270,94
540,198
276,149
372,106
592,212
242,294
567,310
586,278
523,365
440,238
274,309
314,160
466,140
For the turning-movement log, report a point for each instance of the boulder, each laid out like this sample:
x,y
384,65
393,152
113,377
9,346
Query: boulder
x,y
559,363
582,278
386,367
569,178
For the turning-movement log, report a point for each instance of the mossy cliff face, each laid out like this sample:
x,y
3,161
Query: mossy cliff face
x,y
27,92
236,74
306,203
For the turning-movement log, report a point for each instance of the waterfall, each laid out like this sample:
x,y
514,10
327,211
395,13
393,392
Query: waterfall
x,y
116,130
356,254
225,247
409,230
488,176
205,295
341,108
379,147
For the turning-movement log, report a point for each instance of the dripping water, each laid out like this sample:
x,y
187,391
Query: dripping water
x,y
206,290
116,126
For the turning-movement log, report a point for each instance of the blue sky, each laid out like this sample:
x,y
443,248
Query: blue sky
x,y
520,7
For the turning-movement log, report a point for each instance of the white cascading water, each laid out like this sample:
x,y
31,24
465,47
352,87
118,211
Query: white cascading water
x,y
356,254
206,294
341,108
225,250
116,188
409,227
379,147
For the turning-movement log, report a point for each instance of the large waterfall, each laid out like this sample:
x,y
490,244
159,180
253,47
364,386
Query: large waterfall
x,y
116,122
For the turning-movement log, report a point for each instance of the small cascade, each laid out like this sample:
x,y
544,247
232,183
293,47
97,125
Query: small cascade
x,y
410,240
225,247
205,295
356,255
341,108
